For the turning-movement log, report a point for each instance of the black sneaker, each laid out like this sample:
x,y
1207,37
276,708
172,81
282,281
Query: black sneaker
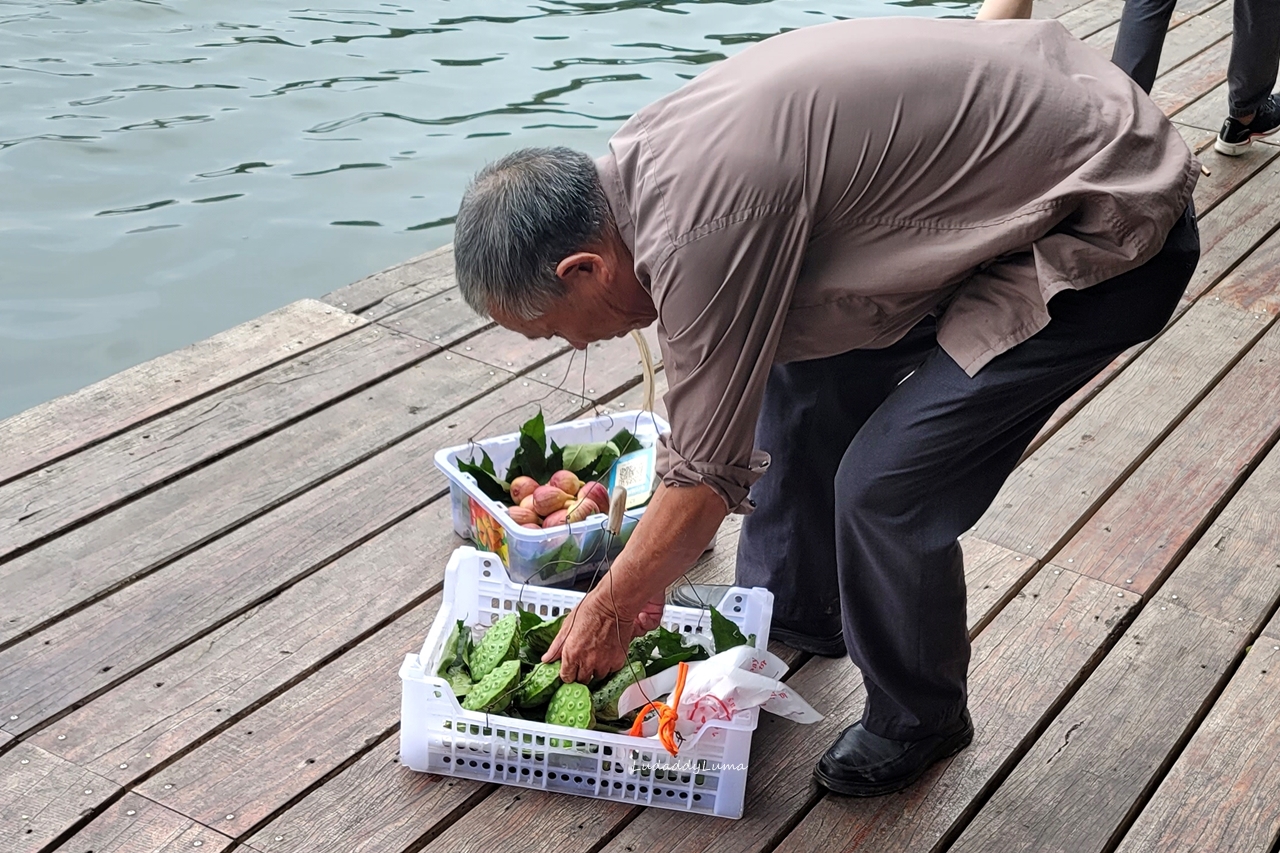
x,y
1236,136
862,764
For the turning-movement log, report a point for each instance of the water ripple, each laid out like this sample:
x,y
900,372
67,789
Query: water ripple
x,y
343,168
138,208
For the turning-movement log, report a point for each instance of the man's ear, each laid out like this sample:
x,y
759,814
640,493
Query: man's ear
x,y
580,263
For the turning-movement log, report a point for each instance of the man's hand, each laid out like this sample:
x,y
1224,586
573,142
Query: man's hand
x,y
593,640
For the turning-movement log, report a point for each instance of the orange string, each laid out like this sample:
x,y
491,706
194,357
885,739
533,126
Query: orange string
x,y
666,713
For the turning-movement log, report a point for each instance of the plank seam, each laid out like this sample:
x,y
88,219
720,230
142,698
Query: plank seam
x,y
455,814
1028,742
175,407
211,460
1154,444
85,819
248,519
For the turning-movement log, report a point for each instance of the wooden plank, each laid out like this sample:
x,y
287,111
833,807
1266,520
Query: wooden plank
x,y
237,780
1188,35
1054,8
1242,222
52,430
39,505
1231,573
1084,21
1255,284
138,825
442,319
143,535
98,646
374,806
148,720
1224,791
507,350
1192,79
1226,174
432,270
1077,401
1054,631
1060,483
513,819
1160,510
1022,661
1077,784
1207,111
41,795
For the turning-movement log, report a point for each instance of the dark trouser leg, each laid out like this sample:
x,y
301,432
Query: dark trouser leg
x,y
1255,55
928,463
1143,25
811,412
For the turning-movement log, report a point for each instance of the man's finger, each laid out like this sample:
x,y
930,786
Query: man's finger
x,y
553,651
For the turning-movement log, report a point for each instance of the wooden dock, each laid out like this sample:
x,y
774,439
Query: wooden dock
x,y
211,567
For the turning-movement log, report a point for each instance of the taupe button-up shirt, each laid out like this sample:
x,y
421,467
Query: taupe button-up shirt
x,y
827,189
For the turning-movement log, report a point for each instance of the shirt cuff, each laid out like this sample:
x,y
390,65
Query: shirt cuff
x,y
731,482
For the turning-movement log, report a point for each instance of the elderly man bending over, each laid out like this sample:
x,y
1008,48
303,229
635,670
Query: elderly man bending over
x,y
880,254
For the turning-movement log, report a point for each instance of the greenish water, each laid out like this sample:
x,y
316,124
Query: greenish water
x,y
170,169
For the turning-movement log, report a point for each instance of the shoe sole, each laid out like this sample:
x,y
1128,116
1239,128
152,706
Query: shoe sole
x,y
1235,149
853,790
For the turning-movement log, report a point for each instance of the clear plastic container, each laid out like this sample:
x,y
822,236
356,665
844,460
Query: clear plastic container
x,y
553,555
709,776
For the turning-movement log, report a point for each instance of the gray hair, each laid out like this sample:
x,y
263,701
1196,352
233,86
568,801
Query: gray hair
x,y
518,219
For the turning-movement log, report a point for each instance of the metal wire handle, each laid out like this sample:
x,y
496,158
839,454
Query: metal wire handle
x,y
646,360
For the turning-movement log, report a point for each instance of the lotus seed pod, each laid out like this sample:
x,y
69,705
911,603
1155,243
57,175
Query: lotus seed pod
x,y
557,518
520,515
495,691
539,685
522,487
548,499
571,706
527,503
565,481
597,492
499,644
605,700
581,508
541,636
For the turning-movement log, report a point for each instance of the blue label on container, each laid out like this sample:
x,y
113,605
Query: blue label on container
x,y
635,473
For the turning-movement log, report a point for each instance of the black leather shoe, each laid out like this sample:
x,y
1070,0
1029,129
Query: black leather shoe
x,y
827,647
862,764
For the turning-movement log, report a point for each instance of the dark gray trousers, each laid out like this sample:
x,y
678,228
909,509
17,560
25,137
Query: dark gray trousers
x,y
874,477
1255,48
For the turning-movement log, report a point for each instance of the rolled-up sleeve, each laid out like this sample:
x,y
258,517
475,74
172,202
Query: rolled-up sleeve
x,y
722,296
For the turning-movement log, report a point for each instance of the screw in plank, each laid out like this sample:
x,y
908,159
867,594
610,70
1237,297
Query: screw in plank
x,y
448,358
468,349
88,790
231,817
1071,559
1057,571
1130,580
26,761
1174,597
124,766
62,737
13,716
196,843
279,838
167,787
26,817
1017,559
1119,595
131,813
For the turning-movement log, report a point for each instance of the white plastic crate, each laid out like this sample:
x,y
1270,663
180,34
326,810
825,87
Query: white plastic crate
x,y
556,554
709,776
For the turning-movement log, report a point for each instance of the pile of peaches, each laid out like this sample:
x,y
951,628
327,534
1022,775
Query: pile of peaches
x,y
563,500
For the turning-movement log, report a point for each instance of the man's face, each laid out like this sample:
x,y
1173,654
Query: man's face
x,y
602,299
580,322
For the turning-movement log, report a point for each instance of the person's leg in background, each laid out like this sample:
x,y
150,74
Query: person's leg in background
x,y
811,411
921,471
1143,25
1000,10
1252,110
